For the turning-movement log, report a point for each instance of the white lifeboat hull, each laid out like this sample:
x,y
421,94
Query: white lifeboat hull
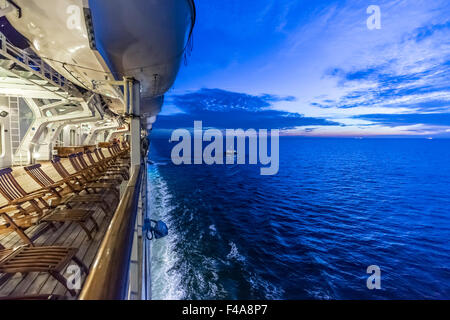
x,y
143,39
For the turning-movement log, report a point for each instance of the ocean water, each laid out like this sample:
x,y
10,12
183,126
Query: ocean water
x,y
336,207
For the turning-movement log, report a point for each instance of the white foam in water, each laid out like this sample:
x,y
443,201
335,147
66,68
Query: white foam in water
x,y
258,284
166,281
168,270
213,230
271,292
318,294
234,253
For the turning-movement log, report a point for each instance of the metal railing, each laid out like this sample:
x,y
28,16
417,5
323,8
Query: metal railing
x,y
38,67
108,278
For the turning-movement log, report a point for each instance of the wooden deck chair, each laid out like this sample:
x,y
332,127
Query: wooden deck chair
x,y
59,189
122,147
112,149
76,181
79,216
126,146
115,158
107,170
116,151
90,174
23,209
52,260
94,175
111,162
124,152
17,196
110,159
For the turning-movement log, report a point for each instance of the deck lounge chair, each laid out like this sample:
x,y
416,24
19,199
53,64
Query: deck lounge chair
x,y
65,197
79,182
23,209
107,170
17,218
52,260
114,160
93,175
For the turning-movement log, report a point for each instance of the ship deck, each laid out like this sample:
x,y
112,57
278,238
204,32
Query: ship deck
x,y
68,235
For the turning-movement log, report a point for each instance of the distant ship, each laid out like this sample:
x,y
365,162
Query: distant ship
x,y
231,152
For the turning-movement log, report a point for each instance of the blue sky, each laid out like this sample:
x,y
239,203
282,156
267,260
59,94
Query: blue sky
x,y
314,68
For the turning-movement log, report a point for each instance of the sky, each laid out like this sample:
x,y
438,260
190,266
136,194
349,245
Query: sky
x,y
314,68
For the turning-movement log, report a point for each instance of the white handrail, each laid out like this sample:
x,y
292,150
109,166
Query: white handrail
x,y
35,65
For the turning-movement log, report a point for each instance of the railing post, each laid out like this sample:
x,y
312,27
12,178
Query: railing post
x,y
135,101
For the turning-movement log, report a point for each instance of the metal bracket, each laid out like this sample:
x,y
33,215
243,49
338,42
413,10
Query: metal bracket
x,y
127,84
131,116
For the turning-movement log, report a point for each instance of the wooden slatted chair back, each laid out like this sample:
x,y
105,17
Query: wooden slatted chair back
x,y
90,158
112,151
73,158
59,167
9,187
116,148
39,175
82,161
98,155
100,151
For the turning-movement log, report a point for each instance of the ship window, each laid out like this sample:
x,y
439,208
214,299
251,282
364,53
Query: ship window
x,y
26,117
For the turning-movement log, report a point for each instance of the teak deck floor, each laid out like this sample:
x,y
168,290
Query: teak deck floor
x,y
68,235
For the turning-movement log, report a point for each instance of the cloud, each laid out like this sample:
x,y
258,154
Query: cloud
x,y
401,72
423,90
433,119
220,100
413,130
224,109
319,61
429,30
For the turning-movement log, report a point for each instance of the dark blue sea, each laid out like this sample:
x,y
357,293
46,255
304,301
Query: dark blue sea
x,y
336,207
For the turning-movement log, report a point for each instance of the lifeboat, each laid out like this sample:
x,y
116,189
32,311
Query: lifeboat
x,y
93,43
